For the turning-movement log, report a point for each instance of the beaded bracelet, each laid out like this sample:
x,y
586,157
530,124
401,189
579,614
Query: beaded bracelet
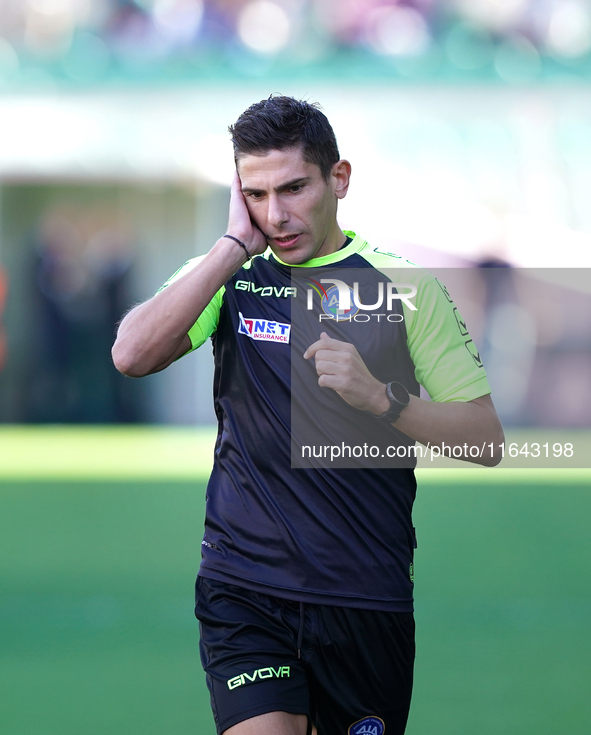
x,y
241,244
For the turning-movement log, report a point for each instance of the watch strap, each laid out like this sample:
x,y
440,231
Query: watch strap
x,y
399,398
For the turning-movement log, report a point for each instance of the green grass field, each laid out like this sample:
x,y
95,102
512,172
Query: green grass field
x,y
97,634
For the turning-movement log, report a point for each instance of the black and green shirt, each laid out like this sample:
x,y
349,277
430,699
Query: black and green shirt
x,y
285,520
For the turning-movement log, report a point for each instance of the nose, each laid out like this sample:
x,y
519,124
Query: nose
x,y
276,213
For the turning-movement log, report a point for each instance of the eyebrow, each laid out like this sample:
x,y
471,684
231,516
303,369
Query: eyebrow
x,y
281,187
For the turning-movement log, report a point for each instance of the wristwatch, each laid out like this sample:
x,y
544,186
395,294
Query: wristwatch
x,y
399,398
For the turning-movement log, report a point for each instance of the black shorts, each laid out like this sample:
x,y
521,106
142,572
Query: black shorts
x,y
349,670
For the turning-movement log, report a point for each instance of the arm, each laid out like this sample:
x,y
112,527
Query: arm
x,y
154,334
340,367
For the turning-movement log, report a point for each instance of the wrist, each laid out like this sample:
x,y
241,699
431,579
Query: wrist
x,y
233,253
398,399
381,402
239,242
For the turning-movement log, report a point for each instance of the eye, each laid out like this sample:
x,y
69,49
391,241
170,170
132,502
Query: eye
x,y
255,195
296,188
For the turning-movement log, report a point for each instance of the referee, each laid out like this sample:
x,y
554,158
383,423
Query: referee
x,y
321,341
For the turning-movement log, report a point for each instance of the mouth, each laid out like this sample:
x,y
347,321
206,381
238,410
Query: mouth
x,y
287,241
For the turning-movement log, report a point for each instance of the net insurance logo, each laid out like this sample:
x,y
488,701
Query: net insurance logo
x,y
342,303
264,329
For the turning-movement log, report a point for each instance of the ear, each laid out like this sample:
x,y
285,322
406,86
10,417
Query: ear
x,y
340,176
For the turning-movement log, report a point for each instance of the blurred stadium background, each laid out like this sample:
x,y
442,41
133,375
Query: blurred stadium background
x,y
468,123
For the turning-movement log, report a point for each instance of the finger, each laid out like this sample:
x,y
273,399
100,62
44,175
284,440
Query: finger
x,y
239,221
236,195
313,349
326,342
236,187
334,356
330,381
327,367
238,209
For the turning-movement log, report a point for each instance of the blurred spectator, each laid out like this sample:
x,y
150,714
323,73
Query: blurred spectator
x,y
81,271
508,38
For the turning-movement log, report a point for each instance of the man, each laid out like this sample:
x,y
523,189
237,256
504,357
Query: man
x,y
304,593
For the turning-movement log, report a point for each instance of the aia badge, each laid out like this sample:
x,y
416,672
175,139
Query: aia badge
x,y
331,303
368,726
263,329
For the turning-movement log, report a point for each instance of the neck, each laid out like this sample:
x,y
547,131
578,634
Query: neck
x,y
334,241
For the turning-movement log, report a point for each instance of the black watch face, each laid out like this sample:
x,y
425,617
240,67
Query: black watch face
x,y
400,393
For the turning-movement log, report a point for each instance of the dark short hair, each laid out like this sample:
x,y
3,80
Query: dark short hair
x,y
278,123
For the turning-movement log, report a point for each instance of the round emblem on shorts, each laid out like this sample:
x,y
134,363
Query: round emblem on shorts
x,y
368,726
331,305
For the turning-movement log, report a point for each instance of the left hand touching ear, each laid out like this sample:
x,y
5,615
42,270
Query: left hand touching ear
x,y
340,367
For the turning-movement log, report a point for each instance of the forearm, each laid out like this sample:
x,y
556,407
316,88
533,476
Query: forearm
x,y
154,334
455,424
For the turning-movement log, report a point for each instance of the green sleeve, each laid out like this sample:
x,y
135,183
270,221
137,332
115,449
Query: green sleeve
x,y
446,360
447,363
207,323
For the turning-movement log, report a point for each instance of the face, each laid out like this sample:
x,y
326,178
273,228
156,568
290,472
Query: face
x,y
292,204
